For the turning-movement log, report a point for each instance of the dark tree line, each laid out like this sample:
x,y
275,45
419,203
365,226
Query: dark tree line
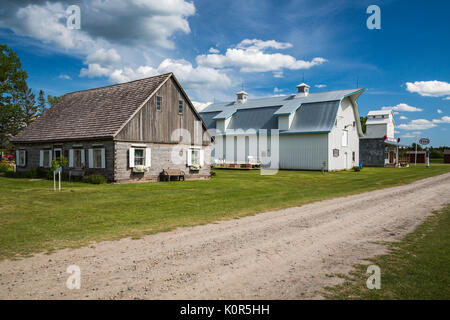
x,y
18,105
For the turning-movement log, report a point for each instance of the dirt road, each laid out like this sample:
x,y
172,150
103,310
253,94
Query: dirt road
x,y
286,254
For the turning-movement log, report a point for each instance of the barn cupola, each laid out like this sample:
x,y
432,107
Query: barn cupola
x,y
242,97
302,90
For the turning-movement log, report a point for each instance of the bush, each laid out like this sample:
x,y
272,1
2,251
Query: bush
x,y
5,168
94,179
36,173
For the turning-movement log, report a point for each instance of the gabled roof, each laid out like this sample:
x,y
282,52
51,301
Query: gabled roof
x,y
315,112
94,113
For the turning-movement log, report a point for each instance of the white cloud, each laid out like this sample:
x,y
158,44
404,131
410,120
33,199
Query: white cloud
x,y
199,106
197,78
320,86
64,76
104,57
250,56
444,119
276,90
95,70
402,107
403,117
256,44
418,124
113,22
446,98
213,50
429,88
439,111
407,135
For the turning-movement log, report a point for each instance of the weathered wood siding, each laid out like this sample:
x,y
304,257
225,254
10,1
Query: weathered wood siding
x,y
33,155
163,156
152,125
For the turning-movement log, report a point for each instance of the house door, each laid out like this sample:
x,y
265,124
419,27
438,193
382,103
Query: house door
x,y
58,153
391,156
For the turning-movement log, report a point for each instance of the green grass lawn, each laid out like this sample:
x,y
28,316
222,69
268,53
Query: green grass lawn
x,y
33,218
415,268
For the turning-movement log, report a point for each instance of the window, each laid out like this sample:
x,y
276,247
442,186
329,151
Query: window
x,y
21,158
97,158
180,107
77,163
158,103
345,138
58,153
195,157
353,156
47,158
139,157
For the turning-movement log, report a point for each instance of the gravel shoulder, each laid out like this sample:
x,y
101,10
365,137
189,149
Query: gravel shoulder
x,y
285,254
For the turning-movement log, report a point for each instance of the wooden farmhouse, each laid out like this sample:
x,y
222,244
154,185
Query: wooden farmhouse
x,y
129,131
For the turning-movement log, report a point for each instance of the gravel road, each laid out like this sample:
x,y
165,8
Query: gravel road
x,y
285,254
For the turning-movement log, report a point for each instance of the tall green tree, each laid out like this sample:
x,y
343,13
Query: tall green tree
x,y
29,107
12,86
42,106
52,100
363,123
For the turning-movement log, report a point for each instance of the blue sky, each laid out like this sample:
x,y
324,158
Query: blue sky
x,y
215,47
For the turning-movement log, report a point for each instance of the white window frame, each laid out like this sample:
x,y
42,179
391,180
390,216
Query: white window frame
x,y
18,154
200,157
42,158
91,153
147,156
345,138
72,159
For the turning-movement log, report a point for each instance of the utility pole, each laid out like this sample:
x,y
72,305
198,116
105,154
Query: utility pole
x,y
415,161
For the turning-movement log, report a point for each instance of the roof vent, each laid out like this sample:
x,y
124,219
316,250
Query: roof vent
x,y
302,90
242,97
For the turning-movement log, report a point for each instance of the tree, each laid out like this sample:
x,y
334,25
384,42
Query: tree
x,y
28,106
12,87
52,100
41,102
363,123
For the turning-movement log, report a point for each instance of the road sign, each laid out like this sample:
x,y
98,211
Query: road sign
x,y
424,141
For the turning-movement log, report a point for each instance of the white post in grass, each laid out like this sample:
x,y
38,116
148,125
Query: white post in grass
x,y
59,184
54,181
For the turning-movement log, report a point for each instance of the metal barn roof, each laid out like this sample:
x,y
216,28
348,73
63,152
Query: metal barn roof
x,y
315,112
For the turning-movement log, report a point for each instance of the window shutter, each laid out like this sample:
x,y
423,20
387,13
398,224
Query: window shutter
x,y
103,158
202,157
91,158
189,157
70,158
17,158
148,157
131,157
82,157
24,158
41,158
50,157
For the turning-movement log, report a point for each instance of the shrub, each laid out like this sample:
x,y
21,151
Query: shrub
x,y
36,173
94,179
5,168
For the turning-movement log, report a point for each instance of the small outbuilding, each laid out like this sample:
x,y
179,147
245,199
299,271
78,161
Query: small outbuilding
x,y
421,156
447,156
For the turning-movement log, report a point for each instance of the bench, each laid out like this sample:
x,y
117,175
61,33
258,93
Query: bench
x,y
166,174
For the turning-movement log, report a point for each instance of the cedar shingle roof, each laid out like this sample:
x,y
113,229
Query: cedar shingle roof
x,y
93,113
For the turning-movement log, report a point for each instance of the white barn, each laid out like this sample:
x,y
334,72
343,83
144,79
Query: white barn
x,y
315,129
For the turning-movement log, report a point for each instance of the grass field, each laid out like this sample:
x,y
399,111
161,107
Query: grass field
x,y
415,268
33,218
